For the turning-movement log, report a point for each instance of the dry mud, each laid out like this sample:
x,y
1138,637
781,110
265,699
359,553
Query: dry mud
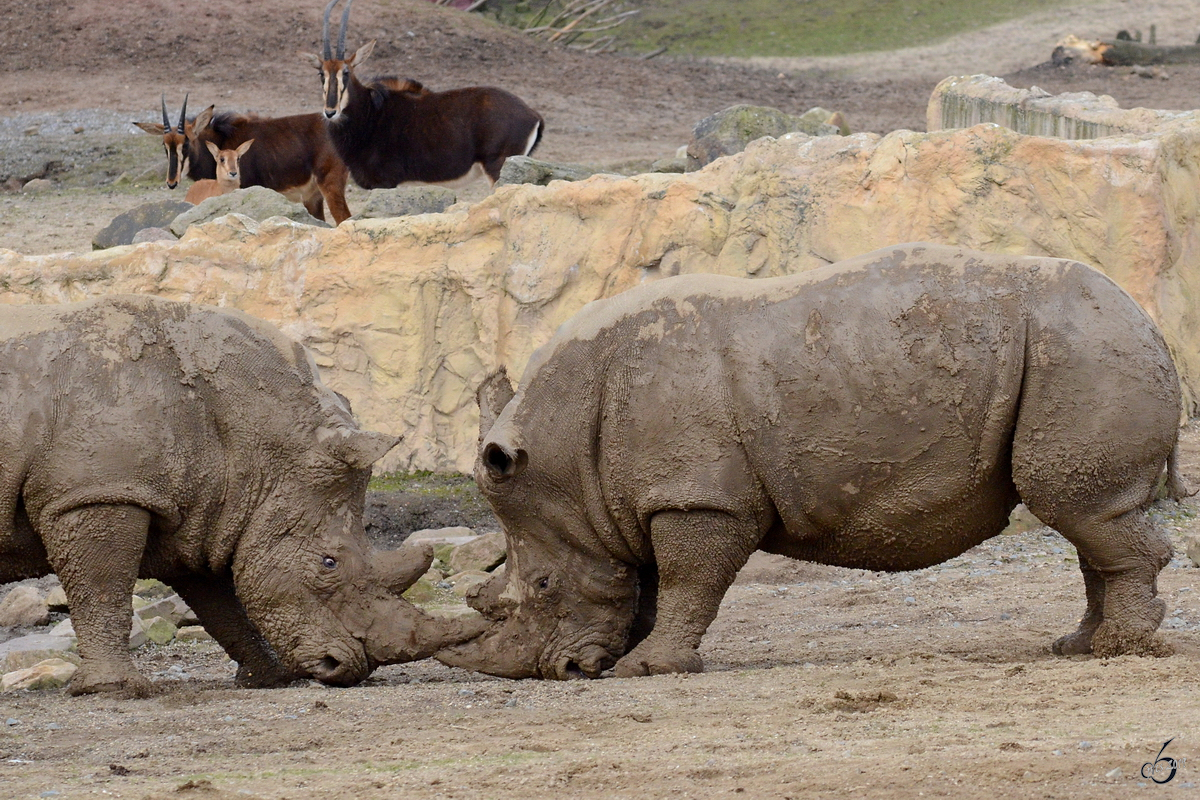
x,y
821,682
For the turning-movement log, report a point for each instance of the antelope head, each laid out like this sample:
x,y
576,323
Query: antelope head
x,y
227,162
174,141
337,70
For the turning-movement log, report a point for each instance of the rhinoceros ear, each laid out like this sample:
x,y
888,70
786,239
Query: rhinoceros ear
x,y
492,396
360,449
503,462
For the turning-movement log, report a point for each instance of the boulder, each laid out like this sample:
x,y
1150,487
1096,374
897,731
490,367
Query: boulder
x,y
192,633
424,592
148,215
673,164
64,629
407,316
406,200
23,607
153,235
523,169
256,202
1191,546
456,535
53,673
37,185
138,633
483,553
56,600
151,589
24,659
729,131
171,608
463,582
38,642
160,630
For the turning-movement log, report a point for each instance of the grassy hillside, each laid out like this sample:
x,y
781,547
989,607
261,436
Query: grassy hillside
x,y
796,27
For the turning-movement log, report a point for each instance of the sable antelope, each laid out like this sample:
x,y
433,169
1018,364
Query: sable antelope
x,y
293,155
227,174
389,132
175,141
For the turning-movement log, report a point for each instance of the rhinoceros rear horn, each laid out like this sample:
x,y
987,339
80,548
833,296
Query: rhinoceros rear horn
x,y
492,396
361,449
502,462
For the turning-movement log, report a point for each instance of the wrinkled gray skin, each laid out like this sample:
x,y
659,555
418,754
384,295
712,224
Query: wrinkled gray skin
x,y
883,413
140,437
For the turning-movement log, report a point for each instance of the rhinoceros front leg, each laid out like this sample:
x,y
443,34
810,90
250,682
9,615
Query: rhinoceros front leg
x,y
96,551
224,617
698,554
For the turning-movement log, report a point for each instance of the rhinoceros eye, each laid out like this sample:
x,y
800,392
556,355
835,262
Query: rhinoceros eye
x,y
329,562
544,583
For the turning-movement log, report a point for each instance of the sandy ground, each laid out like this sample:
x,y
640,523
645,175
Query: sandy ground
x,y
821,682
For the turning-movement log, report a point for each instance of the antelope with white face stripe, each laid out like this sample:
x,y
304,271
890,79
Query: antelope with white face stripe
x,y
175,141
390,132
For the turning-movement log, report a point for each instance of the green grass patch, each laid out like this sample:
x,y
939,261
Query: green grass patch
x,y
794,27
443,485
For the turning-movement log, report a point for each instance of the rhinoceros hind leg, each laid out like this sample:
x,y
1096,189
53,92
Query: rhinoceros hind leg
x,y
96,551
1126,553
1080,642
698,554
222,614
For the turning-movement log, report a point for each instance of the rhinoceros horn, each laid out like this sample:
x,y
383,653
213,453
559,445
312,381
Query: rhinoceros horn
x,y
492,396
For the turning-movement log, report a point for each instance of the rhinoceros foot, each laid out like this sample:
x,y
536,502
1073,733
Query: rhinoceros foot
x,y
90,680
650,659
1111,640
1078,643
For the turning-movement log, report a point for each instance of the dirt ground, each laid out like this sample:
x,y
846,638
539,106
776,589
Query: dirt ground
x,y
821,682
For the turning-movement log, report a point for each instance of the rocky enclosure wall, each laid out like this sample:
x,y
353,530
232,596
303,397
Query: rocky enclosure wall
x,y
406,315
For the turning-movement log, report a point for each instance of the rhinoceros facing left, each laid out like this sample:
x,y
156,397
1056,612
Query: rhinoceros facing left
x,y
884,413
141,437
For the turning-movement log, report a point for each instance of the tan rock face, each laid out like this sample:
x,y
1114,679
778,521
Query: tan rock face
x,y
406,316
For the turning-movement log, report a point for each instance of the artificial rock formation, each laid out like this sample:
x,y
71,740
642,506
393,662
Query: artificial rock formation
x,y
406,316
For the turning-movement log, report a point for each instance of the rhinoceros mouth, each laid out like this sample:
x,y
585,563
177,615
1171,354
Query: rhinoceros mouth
x,y
338,667
589,661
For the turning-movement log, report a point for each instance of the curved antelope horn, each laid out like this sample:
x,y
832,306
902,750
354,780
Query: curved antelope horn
x,y
166,121
341,51
325,30
183,112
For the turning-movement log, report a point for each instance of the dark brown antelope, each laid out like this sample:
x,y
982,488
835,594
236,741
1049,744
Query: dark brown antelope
x,y
228,177
175,141
292,155
391,132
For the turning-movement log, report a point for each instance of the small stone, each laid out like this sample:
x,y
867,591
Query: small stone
x,y
23,607
78,129
192,633
56,600
138,635
1191,546
466,692
910,601
1115,772
12,722
51,674
170,608
152,589
510,703
1084,745
37,185
31,131
54,726
1006,616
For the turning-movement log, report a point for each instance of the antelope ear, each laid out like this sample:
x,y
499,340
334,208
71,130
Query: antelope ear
x,y
358,449
312,58
492,396
155,128
202,121
361,55
212,148
244,146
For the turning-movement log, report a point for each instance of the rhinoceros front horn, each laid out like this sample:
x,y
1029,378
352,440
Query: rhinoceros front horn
x,y
358,449
399,569
492,396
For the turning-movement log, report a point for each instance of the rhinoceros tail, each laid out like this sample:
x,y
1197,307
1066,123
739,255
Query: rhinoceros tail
x,y
1174,488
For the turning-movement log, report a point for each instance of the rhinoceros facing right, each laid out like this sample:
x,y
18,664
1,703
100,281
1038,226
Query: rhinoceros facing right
x,y
884,413
142,437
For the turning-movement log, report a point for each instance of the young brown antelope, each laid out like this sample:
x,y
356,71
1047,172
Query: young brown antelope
x,y
227,179
388,132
